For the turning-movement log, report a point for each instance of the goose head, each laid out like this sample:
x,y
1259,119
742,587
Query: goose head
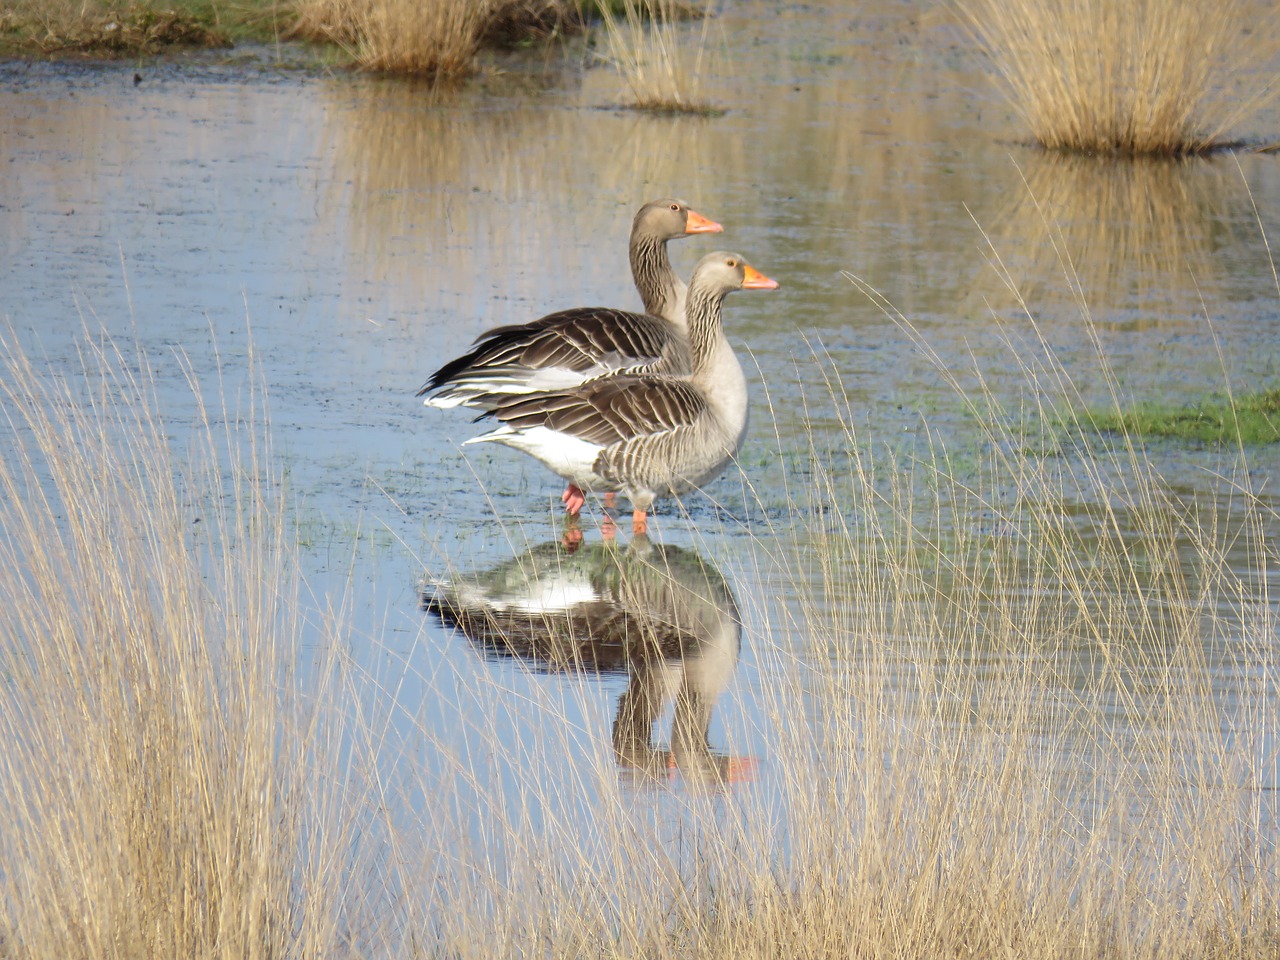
x,y
722,272
670,219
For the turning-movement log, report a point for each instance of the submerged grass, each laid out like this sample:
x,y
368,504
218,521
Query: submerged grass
x,y
1168,77
1248,419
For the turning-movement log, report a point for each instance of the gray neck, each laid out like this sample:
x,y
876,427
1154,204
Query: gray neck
x,y
653,276
705,331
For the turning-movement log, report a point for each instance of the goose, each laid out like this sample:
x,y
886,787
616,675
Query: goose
x,y
645,435
563,349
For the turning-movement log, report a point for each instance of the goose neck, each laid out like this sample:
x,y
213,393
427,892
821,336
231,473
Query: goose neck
x,y
651,271
705,331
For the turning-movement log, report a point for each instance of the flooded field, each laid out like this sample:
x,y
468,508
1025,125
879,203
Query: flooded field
x,y
353,233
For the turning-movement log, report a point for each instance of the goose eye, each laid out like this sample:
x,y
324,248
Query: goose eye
x,y
731,262
675,207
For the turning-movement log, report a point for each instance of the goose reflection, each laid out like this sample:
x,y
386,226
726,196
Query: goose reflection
x,y
658,614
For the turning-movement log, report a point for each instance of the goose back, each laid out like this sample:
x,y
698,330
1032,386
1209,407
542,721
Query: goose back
x,y
565,348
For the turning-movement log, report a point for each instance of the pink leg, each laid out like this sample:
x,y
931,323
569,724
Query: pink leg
x,y
639,523
573,498
608,526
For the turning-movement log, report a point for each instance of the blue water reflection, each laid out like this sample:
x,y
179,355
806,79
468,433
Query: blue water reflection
x,y
659,615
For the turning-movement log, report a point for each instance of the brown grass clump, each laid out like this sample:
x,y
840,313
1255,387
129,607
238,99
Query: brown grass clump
x,y
437,40
513,22
1137,77
658,56
159,793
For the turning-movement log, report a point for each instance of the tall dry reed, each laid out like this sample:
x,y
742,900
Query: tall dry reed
x,y
166,790
1168,77
1024,723
659,56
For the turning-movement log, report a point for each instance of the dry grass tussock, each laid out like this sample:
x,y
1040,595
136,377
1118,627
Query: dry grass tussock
x,y
160,766
658,53
1136,77
439,39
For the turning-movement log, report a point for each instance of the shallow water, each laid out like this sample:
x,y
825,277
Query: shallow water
x,y
358,232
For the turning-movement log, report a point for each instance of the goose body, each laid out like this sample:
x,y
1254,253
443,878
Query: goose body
x,y
645,435
566,348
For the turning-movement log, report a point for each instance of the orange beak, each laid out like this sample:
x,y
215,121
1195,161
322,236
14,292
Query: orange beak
x,y
697,223
753,279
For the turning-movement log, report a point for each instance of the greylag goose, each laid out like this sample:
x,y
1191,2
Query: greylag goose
x,y
647,435
563,349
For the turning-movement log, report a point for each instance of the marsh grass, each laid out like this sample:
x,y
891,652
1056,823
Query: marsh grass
x,y
437,40
1016,736
129,28
167,790
658,56
1026,707
1022,706
1139,77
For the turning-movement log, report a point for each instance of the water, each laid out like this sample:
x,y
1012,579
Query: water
x,y
354,233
